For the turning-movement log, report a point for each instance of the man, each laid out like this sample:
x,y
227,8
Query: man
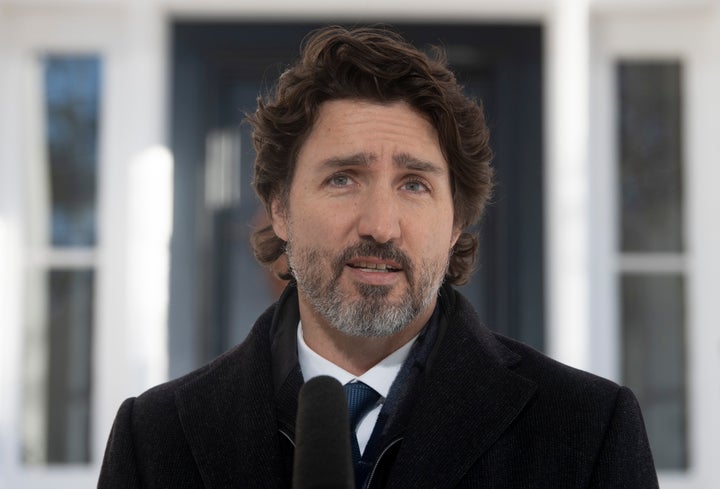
x,y
371,164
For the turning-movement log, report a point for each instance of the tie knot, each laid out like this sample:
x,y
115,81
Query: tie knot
x,y
361,399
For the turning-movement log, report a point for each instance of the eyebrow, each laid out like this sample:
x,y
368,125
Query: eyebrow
x,y
404,160
400,160
357,159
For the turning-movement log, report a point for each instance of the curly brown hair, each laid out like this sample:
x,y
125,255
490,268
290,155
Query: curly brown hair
x,y
378,65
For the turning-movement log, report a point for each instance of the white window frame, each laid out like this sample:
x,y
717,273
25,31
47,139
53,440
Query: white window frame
x,y
133,210
689,36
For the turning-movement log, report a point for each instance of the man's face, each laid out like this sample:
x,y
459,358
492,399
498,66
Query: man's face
x,y
369,218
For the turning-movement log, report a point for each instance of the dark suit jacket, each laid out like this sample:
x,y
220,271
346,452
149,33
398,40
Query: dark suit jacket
x,y
490,413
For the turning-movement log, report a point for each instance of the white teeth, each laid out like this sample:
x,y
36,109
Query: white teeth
x,y
374,266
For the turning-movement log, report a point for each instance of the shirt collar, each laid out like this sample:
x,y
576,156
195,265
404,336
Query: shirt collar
x,y
380,377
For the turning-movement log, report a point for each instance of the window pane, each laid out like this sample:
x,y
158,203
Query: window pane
x,y
58,370
653,315
71,103
650,157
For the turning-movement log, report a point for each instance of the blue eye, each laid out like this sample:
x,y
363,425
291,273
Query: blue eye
x,y
339,180
415,186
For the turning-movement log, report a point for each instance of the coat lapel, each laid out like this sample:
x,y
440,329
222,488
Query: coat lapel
x,y
469,399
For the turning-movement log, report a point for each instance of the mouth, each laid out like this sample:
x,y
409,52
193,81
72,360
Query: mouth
x,y
374,266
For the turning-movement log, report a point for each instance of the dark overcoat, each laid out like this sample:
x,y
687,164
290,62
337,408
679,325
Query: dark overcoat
x,y
489,412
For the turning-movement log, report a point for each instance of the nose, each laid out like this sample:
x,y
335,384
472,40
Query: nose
x,y
379,217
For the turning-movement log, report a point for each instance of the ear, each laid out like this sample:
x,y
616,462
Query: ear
x,y
455,236
279,219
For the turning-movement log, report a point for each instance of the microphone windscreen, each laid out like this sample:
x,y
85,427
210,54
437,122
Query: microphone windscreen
x,y
323,457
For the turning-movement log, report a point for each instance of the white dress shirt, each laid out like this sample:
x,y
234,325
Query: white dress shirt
x,y
380,377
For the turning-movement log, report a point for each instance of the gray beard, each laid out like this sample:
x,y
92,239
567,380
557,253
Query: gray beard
x,y
372,315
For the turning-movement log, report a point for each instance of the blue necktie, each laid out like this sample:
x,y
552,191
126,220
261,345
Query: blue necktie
x,y
361,399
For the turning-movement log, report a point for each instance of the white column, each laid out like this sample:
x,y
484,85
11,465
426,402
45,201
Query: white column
x,y
702,79
11,283
136,182
567,172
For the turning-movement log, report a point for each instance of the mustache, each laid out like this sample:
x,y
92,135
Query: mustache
x,y
383,251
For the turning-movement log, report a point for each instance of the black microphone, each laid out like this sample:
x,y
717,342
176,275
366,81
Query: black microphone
x,y
323,457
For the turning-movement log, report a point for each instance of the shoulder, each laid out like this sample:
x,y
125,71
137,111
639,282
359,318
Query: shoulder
x,y
580,413
560,384
567,398
156,419
587,414
239,362
572,424
560,381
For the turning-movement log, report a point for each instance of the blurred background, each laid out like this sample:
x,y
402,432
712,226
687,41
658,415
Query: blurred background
x,y
126,201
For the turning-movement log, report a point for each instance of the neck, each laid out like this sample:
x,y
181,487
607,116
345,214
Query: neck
x,y
354,354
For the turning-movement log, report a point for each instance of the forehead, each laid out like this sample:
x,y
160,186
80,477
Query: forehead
x,y
346,127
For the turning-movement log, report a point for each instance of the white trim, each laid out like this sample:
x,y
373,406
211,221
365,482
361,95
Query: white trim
x,y
703,237
130,348
11,251
603,196
652,263
369,10
59,258
566,177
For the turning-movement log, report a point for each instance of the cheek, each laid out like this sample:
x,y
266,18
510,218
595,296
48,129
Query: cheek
x,y
312,226
435,242
444,230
